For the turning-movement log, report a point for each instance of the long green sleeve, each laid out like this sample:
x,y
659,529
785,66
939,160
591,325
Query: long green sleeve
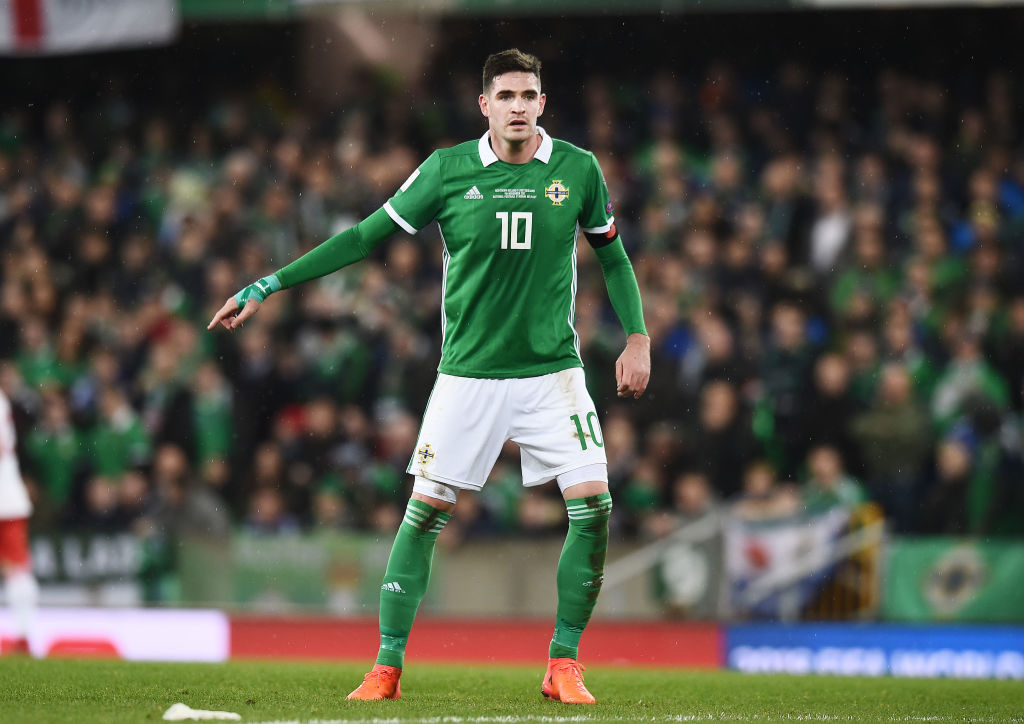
x,y
340,250
622,287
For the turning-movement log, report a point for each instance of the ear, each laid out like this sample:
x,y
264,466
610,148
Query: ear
x,y
542,100
482,100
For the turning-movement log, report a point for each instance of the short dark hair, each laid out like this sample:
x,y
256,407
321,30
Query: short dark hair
x,y
512,60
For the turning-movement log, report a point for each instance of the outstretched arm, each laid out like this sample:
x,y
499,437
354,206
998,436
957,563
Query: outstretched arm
x,y
633,368
339,251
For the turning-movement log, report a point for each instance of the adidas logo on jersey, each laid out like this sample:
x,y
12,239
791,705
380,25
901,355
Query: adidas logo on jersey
x,y
393,587
473,193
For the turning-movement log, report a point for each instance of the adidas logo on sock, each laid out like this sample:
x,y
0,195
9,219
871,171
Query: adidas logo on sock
x,y
473,193
393,587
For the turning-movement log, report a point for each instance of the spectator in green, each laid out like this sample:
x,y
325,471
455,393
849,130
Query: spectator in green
x,y
118,441
861,350
869,282
165,399
55,449
946,273
643,492
504,491
894,437
330,511
902,347
829,486
968,377
213,414
785,373
37,361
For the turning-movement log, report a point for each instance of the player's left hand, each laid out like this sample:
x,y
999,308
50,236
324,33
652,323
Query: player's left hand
x,y
633,367
231,316
245,304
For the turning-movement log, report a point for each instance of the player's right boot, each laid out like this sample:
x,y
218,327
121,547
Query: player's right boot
x,y
564,682
381,683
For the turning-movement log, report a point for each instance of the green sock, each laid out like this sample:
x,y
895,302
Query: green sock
x,y
406,578
580,571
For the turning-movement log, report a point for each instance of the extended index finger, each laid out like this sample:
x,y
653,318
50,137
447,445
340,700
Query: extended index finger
x,y
229,308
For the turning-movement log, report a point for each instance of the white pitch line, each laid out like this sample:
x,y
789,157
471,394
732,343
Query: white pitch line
x,y
723,716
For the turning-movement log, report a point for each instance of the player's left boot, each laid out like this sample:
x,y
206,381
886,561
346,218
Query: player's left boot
x,y
383,682
564,682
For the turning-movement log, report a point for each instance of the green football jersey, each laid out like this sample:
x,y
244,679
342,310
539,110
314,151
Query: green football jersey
x,y
509,233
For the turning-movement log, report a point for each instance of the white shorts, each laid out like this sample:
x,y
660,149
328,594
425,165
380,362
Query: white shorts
x,y
468,420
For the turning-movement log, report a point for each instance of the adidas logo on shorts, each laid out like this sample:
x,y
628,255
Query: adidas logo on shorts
x,y
473,193
393,587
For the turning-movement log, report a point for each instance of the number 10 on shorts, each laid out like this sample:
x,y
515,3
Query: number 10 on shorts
x,y
591,419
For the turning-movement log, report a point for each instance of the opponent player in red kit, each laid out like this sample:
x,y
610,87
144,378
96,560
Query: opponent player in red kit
x,y
20,588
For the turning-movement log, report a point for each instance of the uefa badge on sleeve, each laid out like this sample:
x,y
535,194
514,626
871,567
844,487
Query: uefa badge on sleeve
x,y
557,192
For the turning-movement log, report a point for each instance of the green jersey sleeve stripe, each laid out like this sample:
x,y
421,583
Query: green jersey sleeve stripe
x,y
600,229
408,181
398,219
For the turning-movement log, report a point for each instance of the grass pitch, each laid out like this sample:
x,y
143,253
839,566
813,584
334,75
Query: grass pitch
x,y
84,692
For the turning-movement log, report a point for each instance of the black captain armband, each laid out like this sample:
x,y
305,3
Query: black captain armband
x,y
602,239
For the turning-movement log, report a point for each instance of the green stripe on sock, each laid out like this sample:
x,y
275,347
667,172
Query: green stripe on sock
x,y
425,518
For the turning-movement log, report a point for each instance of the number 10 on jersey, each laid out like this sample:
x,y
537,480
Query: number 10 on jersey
x,y
510,229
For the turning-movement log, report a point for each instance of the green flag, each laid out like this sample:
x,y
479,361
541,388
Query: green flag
x,y
953,579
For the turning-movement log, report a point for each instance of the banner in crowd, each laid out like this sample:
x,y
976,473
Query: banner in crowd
x,y
688,577
90,569
774,567
323,571
845,649
74,26
953,579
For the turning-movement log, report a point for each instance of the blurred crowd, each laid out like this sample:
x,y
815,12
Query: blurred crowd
x,y
831,276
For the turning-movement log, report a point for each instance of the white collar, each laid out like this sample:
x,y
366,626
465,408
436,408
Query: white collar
x,y
488,156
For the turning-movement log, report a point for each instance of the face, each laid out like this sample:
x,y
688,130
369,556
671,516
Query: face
x,y
824,464
512,105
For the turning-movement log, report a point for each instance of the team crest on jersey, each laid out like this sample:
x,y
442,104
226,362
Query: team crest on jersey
x,y
557,192
425,454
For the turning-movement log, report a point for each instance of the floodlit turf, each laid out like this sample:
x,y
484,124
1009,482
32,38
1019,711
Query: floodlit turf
x,y
106,691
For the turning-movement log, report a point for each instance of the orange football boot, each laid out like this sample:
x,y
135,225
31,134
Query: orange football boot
x,y
381,683
564,682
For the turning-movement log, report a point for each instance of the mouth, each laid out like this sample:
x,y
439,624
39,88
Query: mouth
x,y
518,124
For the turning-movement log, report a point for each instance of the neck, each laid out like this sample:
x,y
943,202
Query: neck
x,y
512,152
